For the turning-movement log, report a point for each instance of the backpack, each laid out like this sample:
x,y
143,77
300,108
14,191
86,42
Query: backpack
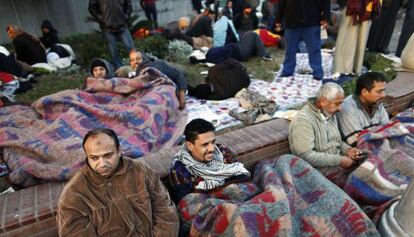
x,y
227,78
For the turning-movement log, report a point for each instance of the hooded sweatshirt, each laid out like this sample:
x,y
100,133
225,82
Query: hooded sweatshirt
x,y
102,62
50,38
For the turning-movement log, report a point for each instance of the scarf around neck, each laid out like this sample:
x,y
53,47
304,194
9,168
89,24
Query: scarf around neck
x,y
214,173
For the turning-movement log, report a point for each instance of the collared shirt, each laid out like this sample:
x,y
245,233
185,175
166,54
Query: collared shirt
x,y
354,117
131,202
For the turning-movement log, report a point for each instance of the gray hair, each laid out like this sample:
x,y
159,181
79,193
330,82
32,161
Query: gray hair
x,y
330,91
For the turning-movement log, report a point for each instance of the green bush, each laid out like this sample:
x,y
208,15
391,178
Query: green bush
x,y
156,45
87,47
378,63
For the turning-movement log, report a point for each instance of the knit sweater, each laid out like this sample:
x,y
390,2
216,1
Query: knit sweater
x,y
316,138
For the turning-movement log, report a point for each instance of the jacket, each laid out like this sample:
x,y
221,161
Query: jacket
x,y
112,15
28,49
132,202
303,13
316,139
171,72
50,38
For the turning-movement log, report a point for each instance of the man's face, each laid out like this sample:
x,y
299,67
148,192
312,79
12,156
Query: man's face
x,y
45,30
203,148
135,59
374,96
99,72
330,107
247,11
102,155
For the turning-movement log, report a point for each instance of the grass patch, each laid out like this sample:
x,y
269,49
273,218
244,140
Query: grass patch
x,y
51,83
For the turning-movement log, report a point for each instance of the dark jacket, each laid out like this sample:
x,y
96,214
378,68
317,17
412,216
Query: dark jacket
x,y
112,15
303,13
29,50
50,38
201,27
248,23
171,72
131,202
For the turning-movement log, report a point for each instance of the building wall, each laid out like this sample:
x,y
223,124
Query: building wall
x,y
68,16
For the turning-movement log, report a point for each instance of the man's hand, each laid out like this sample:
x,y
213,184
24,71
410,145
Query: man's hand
x,y
324,24
346,162
355,154
181,99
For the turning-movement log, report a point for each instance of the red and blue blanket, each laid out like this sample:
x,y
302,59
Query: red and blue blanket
x,y
43,141
287,197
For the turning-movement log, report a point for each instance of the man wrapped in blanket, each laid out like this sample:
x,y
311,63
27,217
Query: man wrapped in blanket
x,y
284,197
201,165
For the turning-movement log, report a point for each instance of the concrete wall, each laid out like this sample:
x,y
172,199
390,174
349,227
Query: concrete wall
x,y
68,16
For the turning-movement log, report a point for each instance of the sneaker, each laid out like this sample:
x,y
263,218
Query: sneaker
x,y
267,57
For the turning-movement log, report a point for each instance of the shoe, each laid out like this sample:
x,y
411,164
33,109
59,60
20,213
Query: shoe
x,y
267,57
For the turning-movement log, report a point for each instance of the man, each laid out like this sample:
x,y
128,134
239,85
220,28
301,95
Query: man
x,y
112,16
407,28
100,68
202,24
353,35
150,10
139,61
303,20
314,135
363,109
201,165
114,195
247,20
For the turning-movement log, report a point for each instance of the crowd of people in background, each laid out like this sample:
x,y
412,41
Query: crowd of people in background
x,y
116,195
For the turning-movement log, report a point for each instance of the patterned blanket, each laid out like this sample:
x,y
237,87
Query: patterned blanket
x,y
287,197
390,165
43,141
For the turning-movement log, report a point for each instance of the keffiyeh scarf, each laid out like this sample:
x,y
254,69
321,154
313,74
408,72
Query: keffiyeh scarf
x,y
213,173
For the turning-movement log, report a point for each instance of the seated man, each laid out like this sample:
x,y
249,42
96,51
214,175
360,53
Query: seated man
x,y
100,68
139,61
314,135
285,196
363,109
27,47
201,165
202,24
114,195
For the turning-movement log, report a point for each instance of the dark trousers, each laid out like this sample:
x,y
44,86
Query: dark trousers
x,y
407,28
201,91
151,14
312,37
382,28
250,45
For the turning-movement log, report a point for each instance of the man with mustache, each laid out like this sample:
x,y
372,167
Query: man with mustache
x,y
363,109
314,135
201,165
114,196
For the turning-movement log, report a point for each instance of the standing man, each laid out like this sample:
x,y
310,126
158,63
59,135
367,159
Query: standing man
x,y
150,10
303,20
353,35
407,28
114,195
112,16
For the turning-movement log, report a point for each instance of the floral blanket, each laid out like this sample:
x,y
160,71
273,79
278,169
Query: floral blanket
x,y
390,164
44,141
287,197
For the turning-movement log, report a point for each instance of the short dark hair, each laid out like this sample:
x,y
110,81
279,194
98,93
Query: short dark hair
x,y
195,127
97,131
367,80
